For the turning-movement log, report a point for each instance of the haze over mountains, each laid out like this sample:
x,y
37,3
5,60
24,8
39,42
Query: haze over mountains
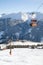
x,y
17,25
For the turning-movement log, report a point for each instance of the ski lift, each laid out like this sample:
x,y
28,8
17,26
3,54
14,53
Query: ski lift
x,y
33,21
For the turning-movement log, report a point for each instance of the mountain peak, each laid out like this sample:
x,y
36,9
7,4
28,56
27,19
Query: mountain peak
x,y
24,16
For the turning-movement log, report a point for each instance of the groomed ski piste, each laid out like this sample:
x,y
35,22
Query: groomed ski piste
x,y
21,56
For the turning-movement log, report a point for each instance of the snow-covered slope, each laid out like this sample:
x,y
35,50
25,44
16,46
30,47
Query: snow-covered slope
x,y
22,56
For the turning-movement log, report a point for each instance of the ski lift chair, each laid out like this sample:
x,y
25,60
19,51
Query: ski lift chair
x,y
33,23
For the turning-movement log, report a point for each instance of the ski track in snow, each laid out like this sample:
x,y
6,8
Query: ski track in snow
x,y
22,56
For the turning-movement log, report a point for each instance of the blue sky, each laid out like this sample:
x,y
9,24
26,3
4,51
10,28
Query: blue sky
x,y
12,6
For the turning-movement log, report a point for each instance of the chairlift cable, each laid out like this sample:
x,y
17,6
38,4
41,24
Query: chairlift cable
x,y
39,6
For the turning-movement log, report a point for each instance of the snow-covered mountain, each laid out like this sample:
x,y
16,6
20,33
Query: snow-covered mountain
x,y
24,16
17,16
18,26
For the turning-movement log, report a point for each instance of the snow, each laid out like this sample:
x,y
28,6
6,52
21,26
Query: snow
x,y
30,30
24,16
23,43
1,33
30,35
33,16
42,39
22,56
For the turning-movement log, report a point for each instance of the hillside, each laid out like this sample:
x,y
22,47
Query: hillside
x,y
17,26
